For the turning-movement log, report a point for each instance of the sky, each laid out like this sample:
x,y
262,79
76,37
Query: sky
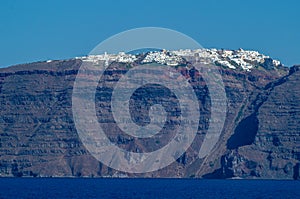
x,y
55,29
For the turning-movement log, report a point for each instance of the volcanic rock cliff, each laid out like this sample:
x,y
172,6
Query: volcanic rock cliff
x,y
260,139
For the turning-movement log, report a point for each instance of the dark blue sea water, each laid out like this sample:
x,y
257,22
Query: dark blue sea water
x,y
145,188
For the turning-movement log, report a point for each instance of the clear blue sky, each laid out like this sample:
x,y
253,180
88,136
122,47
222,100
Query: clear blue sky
x,y
56,29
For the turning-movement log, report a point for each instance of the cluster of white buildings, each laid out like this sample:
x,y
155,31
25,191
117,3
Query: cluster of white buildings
x,y
122,57
245,59
125,58
163,57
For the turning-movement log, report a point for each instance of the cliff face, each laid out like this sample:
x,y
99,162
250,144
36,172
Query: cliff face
x,y
260,139
265,143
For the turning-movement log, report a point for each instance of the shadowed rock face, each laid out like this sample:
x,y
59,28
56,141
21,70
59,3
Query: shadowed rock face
x,y
260,139
244,133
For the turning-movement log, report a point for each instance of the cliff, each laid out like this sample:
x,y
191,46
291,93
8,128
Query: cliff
x,y
260,139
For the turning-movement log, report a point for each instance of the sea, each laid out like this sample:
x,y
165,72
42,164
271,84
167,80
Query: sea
x,y
145,188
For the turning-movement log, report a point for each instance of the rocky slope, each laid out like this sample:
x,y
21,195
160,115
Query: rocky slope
x,y
260,139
